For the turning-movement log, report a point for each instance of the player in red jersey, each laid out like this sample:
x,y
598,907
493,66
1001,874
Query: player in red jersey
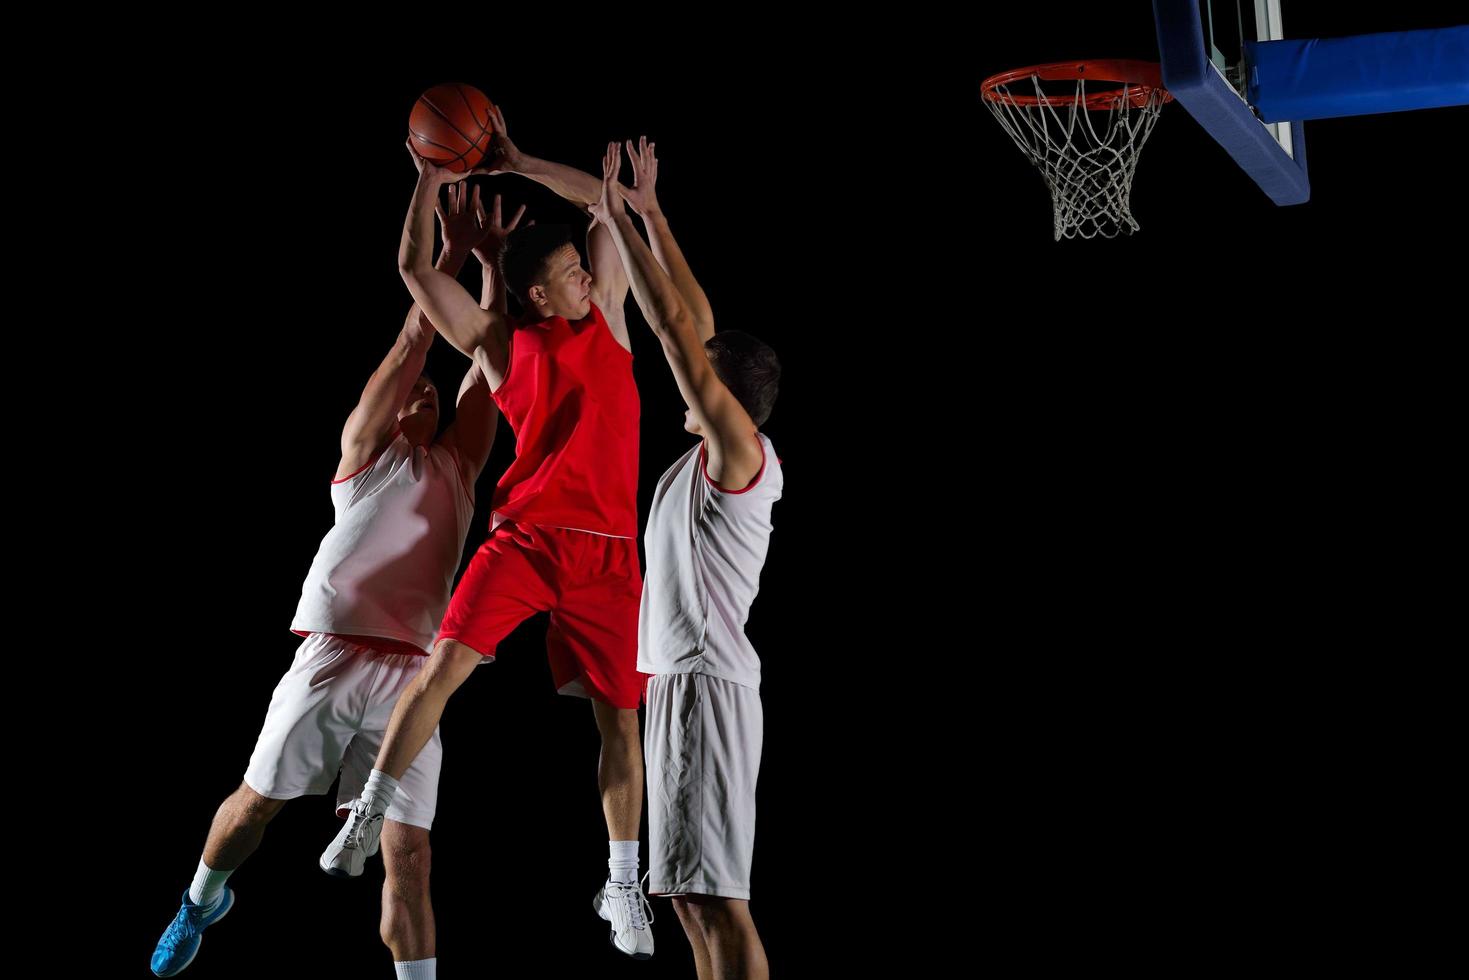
x,y
564,526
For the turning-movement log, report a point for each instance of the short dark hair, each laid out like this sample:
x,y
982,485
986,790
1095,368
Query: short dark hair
x,y
748,368
523,260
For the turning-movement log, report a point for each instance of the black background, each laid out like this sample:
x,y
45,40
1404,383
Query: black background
x,y
1047,504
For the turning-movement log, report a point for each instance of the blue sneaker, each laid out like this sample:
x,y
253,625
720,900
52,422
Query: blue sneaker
x,y
181,939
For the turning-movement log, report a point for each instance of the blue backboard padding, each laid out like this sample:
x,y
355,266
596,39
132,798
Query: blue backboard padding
x,y
1195,83
1356,76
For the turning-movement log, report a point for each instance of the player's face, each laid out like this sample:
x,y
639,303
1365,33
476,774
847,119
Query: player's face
x,y
568,286
424,398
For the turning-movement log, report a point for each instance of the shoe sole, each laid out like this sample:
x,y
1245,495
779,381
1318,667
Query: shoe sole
x,y
336,872
612,938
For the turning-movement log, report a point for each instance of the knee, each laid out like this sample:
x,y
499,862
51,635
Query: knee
x,y
688,917
709,913
407,860
450,665
249,808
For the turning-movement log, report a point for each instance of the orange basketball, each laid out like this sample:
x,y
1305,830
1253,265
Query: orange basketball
x,y
450,126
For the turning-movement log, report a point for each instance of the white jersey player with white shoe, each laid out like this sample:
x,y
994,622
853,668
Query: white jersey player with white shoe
x,y
706,541
705,547
403,500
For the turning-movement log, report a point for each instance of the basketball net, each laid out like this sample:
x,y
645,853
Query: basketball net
x,y
1086,148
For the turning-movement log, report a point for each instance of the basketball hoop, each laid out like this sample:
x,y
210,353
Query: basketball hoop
x,y
1086,144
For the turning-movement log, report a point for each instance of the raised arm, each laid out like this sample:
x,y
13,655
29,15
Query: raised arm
x,y
473,432
642,197
449,306
371,423
492,242
735,453
609,284
577,186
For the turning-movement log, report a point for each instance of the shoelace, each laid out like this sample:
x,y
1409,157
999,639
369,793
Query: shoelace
x,y
182,926
639,911
357,822
177,931
642,893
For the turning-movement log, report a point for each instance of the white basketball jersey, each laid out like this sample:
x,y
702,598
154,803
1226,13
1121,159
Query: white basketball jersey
x,y
705,548
387,566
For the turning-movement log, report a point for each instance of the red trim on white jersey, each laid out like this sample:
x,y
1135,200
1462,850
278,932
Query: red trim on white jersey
x,y
704,468
375,457
382,644
359,471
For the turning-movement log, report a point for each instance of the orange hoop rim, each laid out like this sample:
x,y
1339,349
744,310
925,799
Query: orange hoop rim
x,y
1142,79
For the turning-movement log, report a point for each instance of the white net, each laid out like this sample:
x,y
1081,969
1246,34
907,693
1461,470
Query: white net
x,y
1087,155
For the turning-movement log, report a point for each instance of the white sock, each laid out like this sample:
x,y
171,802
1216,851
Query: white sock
x,y
378,793
623,864
415,969
208,884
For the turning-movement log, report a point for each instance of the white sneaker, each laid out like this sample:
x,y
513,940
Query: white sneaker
x,y
354,843
625,906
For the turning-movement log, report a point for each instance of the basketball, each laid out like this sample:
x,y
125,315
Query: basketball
x,y
450,126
